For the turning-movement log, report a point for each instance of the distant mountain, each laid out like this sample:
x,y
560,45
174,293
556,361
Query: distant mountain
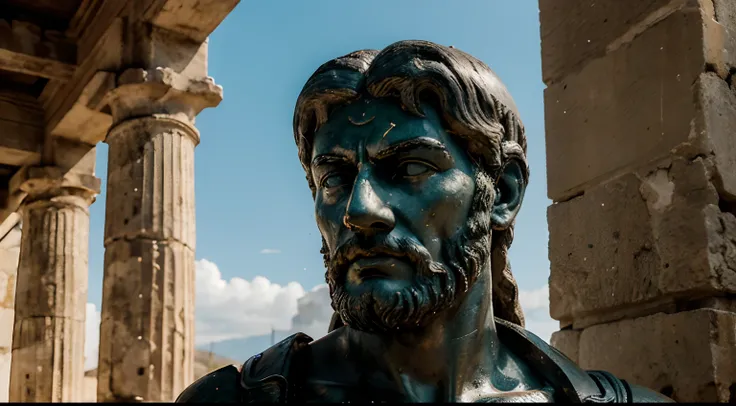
x,y
205,362
241,349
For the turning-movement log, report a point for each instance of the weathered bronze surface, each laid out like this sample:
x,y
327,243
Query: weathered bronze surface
x,y
416,158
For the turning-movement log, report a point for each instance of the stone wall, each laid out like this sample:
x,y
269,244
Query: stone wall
x,y
640,112
9,251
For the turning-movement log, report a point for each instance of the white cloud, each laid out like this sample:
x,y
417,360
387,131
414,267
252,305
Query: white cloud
x,y
314,311
536,312
268,251
92,337
239,308
537,299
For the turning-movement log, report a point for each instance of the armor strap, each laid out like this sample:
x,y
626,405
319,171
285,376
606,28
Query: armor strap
x,y
570,382
613,390
268,377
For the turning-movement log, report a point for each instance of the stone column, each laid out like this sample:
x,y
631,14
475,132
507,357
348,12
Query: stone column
x,y
640,111
147,328
9,252
48,334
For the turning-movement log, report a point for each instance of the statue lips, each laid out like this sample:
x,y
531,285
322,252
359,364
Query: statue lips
x,y
365,268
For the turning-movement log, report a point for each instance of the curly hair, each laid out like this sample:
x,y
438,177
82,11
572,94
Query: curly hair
x,y
474,105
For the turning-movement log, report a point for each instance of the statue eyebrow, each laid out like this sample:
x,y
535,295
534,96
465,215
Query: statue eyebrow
x,y
415,143
328,159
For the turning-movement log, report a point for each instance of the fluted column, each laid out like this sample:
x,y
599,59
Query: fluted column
x,y
147,328
48,336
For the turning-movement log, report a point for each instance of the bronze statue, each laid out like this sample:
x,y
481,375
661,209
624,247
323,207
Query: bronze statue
x,y
416,158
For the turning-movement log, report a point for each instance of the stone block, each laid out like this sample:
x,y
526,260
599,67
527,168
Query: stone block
x,y
72,155
193,18
6,328
9,259
568,342
720,44
576,31
626,109
7,289
11,241
48,354
147,320
640,242
717,120
90,389
5,358
177,51
687,356
725,13
150,182
52,272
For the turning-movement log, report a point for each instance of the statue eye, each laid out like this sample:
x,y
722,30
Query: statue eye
x,y
333,180
414,168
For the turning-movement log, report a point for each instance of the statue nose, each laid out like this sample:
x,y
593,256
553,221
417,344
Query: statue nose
x,y
366,212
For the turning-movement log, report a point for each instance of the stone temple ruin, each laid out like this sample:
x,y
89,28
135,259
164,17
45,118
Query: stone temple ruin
x,y
132,74
641,161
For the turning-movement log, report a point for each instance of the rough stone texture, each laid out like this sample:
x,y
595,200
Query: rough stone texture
x,y
568,342
5,361
146,346
720,26
9,252
687,355
157,187
640,116
25,48
717,119
48,334
725,13
21,125
195,19
639,94
659,236
147,327
576,31
60,127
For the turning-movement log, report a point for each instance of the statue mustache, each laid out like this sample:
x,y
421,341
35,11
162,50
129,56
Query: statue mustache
x,y
382,245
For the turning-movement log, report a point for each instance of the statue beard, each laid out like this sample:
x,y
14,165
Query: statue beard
x,y
435,288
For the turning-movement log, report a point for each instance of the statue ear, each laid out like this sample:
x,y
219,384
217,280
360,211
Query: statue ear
x,y
510,187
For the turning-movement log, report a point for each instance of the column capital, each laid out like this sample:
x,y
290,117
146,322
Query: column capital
x,y
161,91
52,183
147,126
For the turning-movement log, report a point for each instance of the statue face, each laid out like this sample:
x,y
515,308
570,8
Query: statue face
x,y
393,192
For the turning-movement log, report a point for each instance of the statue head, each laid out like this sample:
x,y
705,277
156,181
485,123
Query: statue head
x,y
416,158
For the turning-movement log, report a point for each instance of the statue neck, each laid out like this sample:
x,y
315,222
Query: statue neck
x,y
448,360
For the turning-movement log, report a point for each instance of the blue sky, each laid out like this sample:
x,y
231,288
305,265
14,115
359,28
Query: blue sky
x,y
250,189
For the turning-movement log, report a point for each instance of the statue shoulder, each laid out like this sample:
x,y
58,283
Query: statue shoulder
x,y
266,377
270,376
219,386
569,381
